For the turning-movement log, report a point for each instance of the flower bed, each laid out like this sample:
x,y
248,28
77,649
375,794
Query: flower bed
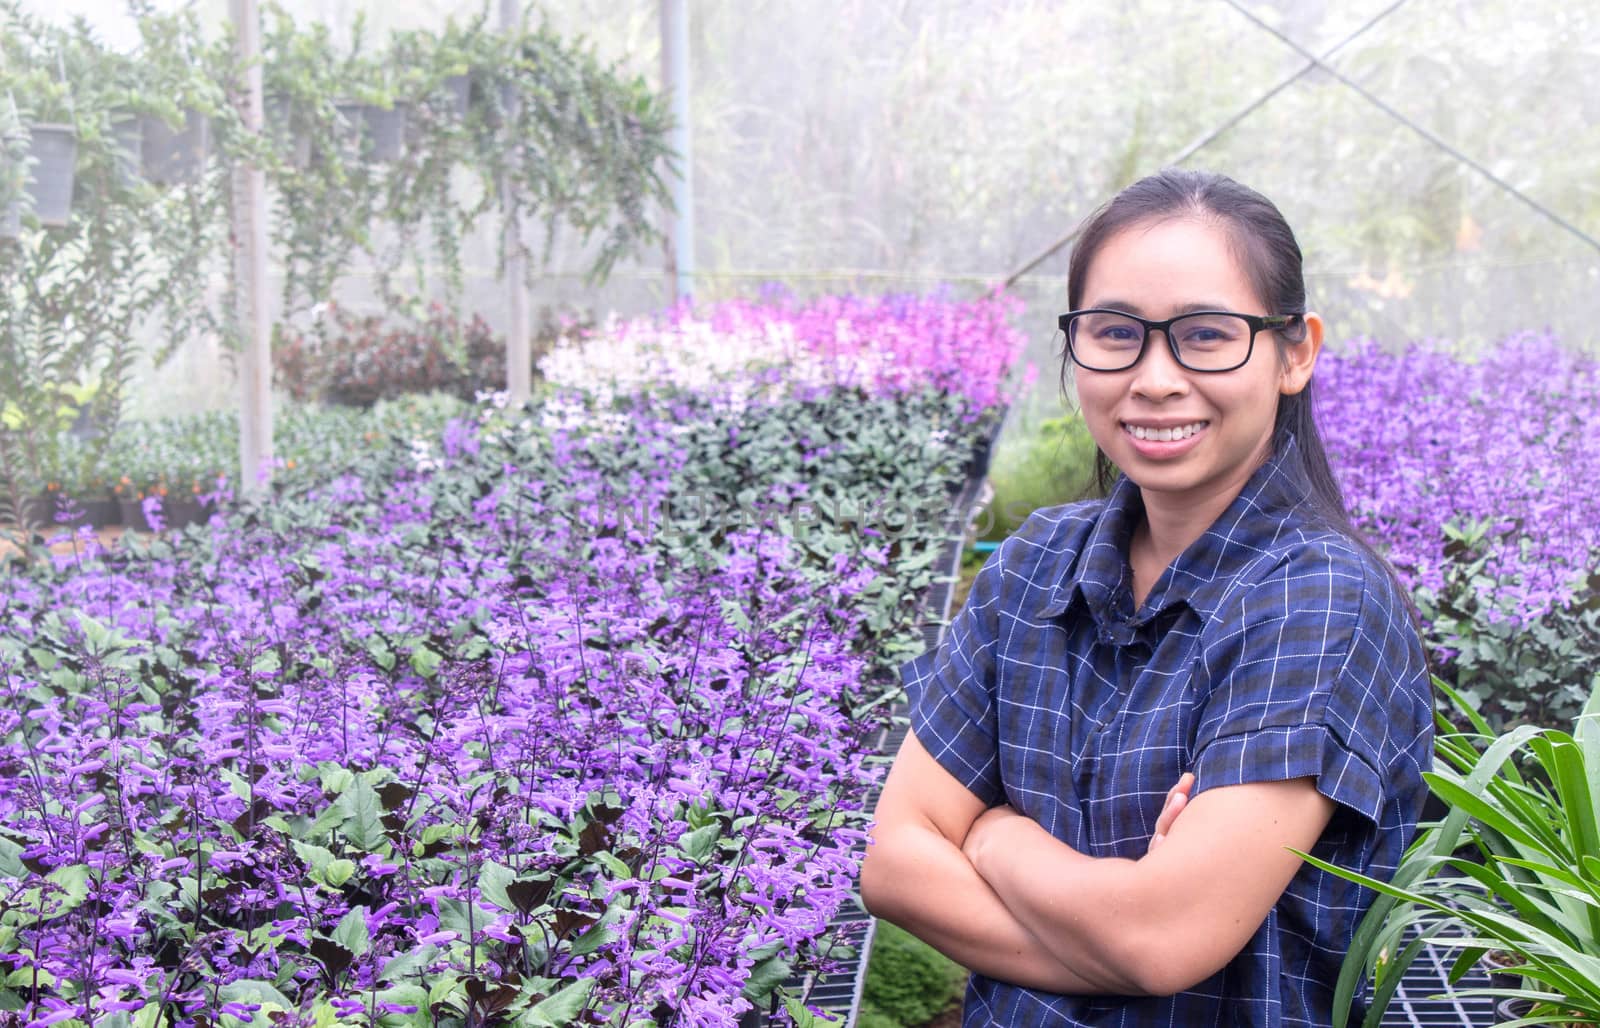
x,y
1479,480
1422,439
544,725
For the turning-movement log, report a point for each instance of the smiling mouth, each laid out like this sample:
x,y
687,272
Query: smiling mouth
x,y
1164,435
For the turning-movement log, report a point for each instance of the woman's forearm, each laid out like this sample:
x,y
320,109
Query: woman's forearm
x,y
1082,908
921,881
1170,920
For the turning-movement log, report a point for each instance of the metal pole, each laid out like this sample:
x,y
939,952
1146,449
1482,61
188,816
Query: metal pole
x,y
675,82
519,355
250,273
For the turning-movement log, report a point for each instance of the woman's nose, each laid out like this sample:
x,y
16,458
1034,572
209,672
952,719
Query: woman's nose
x,y
1158,375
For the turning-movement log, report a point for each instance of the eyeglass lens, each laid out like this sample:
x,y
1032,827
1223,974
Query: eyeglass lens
x,y
1107,341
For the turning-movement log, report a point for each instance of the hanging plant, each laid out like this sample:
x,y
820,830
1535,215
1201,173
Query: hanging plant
x,y
423,201
580,145
326,204
73,296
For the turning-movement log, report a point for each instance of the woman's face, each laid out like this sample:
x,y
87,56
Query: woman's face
x,y
1158,270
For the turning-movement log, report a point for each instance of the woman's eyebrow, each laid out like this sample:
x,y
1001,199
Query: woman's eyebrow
x,y
1181,309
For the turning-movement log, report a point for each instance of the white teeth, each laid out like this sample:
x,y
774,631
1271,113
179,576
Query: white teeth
x,y
1165,435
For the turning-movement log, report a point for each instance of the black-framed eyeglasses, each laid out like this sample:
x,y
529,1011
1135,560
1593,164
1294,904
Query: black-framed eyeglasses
x,y
1101,339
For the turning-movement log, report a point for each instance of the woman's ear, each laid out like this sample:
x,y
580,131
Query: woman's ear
x,y
1299,358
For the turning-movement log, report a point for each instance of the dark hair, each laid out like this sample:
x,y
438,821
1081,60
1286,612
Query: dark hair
x,y
1265,248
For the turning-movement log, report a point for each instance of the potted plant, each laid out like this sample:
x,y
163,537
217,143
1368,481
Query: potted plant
x,y
174,151
37,112
180,461
1514,866
52,155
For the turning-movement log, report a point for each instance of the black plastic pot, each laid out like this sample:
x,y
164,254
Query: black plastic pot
x,y
352,129
1511,1008
176,512
45,511
54,153
173,155
48,509
386,131
983,449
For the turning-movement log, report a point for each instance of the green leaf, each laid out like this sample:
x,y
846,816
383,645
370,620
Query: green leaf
x,y
381,654
410,962
405,994
599,934
764,977
493,879
560,1009
351,932
339,871
698,844
28,976
316,857
246,990
363,815
425,661
334,778
236,783
11,865
74,881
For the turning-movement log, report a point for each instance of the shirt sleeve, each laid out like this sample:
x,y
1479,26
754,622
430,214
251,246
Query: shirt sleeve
x,y
1314,673
951,689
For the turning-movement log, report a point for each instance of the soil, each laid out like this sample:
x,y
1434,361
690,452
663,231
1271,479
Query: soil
x,y
949,1019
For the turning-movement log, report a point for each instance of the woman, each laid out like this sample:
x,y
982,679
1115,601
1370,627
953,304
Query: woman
x,y
1212,639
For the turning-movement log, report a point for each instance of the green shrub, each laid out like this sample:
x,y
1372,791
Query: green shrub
x,y
1512,668
909,983
1054,464
871,1017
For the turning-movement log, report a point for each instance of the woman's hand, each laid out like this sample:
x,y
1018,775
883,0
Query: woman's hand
x,y
1177,799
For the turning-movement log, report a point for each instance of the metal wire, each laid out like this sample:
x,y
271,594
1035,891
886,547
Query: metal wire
x,y
1419,130
1216,132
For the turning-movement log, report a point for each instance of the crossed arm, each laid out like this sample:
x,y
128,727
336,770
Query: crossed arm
x,y
1000,895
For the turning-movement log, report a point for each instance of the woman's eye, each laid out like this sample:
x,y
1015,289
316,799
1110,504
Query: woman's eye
x,y
1210,332
1119,333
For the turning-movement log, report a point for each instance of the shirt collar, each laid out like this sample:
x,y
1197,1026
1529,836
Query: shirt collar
x,y
1100,574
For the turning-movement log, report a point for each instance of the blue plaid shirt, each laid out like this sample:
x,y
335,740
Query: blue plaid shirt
x,y
1271,649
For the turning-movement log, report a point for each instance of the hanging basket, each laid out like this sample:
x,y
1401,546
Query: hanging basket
x,y
352,127
127,134
54,153
386,131
374,133
174,155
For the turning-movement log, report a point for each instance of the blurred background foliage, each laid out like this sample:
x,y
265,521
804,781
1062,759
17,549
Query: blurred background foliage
x,y
894,144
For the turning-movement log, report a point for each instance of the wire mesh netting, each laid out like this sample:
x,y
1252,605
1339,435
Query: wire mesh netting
x,y
862,145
